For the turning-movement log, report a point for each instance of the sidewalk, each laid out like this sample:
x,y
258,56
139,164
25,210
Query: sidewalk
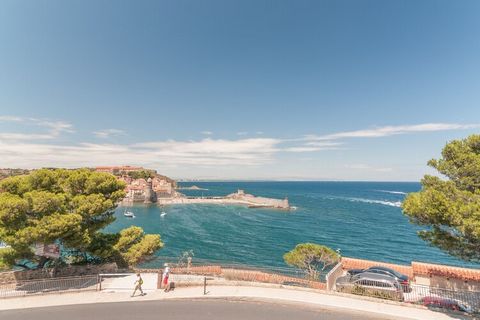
x,y
284,295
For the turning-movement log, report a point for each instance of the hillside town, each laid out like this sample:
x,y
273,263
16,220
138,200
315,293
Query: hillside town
x,y
142,185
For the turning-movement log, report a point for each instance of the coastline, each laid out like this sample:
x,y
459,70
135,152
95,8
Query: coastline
x,y
237,198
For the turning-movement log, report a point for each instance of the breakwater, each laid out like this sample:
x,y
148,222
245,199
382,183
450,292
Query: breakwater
x,y
237,198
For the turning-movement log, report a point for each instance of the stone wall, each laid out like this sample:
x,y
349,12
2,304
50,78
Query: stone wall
x,y
69,271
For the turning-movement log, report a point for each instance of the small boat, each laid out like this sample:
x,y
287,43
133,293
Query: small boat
x,y
163,214
129,214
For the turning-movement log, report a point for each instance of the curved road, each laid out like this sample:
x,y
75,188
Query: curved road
x,y
186,309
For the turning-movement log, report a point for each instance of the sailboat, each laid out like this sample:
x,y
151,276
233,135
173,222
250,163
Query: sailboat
x,y
129,214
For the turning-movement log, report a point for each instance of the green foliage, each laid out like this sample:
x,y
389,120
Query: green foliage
x,y
371,292
69,207
146,246
7,258
450,209
145,174
133,244
311,257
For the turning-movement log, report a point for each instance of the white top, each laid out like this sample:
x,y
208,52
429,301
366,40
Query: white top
x,y
166,271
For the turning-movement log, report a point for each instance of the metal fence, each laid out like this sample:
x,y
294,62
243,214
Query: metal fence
x,y
240,272
431,297
179,262
460,300
49,285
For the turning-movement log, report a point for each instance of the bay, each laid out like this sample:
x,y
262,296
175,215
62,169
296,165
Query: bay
x,y
361,219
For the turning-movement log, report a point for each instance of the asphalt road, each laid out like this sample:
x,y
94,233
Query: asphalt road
x,y
184,309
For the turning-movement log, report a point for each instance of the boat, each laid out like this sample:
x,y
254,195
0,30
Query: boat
x,y
129,214
163,214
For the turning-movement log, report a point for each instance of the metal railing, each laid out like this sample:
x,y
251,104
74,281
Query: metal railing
x,y
177,262
238,272
431,297
460,300
49,285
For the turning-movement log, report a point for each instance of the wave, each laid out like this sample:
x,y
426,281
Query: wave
x,y
386,203
392,192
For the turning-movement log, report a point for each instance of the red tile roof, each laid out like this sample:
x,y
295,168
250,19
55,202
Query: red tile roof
x,y
351,263
427,269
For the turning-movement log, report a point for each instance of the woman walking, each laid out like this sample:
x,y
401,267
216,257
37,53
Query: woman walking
x,y
165,275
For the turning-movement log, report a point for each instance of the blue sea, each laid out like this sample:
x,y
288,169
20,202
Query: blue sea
x,y
362,219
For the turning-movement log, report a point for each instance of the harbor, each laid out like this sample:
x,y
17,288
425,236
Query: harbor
x,y
237,198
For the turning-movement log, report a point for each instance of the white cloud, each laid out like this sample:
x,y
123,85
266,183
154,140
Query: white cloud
x,y
242,133
393,130
10,119
28,150
156,154
207,133
24,136
107,133
54,128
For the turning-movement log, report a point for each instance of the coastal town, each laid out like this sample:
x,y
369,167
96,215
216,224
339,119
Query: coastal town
x,y
149,187
152,187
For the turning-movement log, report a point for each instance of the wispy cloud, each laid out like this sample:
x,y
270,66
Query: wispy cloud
x,y
107,133
28,149
53,128
197,153
207,133
10,119
393,130
242,133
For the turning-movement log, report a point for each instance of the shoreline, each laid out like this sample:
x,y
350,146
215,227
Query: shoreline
x,y
239,197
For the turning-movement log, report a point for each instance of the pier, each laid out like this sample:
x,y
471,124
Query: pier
x,y
239,197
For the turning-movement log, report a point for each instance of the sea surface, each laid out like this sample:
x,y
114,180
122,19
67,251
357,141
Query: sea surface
x,y
361,219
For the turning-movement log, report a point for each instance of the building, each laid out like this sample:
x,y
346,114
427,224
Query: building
x,y
148,191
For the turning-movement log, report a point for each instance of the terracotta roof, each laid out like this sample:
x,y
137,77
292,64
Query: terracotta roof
x,y
351,263
428,269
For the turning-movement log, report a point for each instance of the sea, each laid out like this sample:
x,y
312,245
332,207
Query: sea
x,y
359,219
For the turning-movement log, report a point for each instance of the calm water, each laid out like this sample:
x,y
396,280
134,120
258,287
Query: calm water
x,y
362,219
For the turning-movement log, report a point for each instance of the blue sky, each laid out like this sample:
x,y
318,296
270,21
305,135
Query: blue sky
x,y
293,90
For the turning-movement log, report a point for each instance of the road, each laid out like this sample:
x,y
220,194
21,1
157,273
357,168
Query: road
x,y
185,309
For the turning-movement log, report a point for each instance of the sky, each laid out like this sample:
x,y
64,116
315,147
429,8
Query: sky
x,y
267,90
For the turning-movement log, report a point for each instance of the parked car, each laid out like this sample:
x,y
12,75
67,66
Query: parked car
x,y
401,278
445,303
371,284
